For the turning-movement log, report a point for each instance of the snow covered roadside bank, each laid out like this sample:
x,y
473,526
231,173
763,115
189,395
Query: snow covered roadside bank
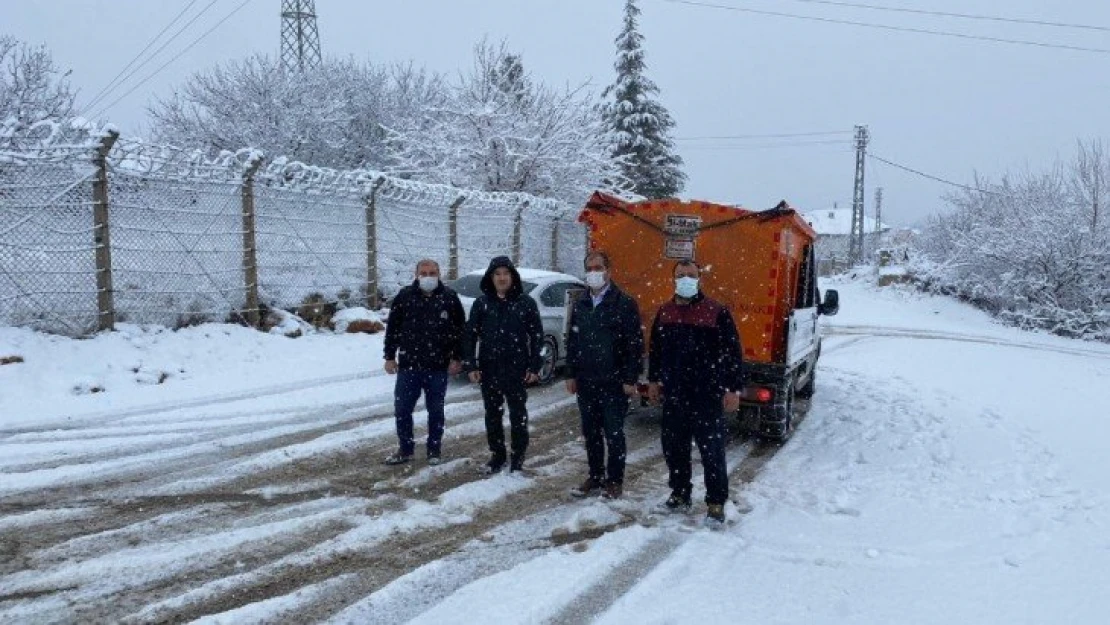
x,y
950,470
63,381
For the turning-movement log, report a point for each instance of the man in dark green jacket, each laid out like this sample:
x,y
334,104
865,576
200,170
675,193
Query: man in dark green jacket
x,y
605,350
502,345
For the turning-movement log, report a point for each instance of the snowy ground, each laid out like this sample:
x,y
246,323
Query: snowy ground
x,y
948,470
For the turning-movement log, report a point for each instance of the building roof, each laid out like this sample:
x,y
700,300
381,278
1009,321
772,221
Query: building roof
x,y
838,221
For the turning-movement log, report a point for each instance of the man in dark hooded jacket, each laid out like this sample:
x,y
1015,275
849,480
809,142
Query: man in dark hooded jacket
x,y
502,352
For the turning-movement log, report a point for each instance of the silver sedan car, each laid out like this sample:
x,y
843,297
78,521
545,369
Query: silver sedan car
x,y
549,289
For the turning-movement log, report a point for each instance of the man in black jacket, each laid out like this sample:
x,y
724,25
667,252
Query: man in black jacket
x,y
425,329
502,345
695,363
605,351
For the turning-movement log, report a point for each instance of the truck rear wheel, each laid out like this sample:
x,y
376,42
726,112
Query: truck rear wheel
x,y
783,425
806,391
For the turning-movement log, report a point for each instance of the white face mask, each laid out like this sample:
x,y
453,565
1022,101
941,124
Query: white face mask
x,y
595,279
428,283
686,287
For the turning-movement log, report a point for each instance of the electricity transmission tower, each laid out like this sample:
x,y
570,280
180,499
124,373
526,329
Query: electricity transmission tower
x,y
300,41
855,241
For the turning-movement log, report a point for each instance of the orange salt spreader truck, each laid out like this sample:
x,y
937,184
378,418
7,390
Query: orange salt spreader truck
x,y
761,264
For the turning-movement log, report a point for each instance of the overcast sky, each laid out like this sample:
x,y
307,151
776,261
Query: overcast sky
x,y
942,105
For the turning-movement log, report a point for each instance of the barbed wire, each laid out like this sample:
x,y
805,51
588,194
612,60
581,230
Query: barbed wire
x,y
178,242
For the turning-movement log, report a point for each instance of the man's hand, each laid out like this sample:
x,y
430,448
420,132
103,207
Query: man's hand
x,y
572,386
630,390
475,376
531,378
731,401
391,367
454,368
654,392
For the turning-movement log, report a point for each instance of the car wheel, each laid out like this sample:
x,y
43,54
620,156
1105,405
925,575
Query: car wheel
x,y
549,354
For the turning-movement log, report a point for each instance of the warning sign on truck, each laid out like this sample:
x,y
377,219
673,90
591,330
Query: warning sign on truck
x,y
685,226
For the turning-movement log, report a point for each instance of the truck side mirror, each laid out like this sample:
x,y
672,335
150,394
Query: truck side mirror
x,y
831,304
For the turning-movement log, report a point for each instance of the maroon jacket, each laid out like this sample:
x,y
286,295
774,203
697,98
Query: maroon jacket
x,y
695,349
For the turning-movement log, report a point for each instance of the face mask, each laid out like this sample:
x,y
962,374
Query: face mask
x,y
428,283
595,279
686,287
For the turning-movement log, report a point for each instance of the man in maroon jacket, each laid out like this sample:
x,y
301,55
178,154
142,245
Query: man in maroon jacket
x,y
695,364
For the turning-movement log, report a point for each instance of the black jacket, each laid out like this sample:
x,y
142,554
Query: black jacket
x,y
695,349
425,330
606,342
503,336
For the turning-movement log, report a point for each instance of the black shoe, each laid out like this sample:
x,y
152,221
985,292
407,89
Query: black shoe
x,y
613,490
587,488
493,466
516,464
397,458
678,502
434,460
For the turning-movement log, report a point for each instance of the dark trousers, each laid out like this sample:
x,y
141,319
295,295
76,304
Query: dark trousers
x,y
496,391
405,394
603,406
702,419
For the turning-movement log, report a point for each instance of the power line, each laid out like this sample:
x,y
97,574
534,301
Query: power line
x,y
108,86
921,31
759,146
766,136
930,176
177,56
153,54
969,16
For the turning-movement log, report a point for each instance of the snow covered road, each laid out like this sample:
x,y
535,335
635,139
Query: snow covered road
x,y
948,470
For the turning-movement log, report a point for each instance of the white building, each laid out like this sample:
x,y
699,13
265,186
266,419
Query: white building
x,y
834,229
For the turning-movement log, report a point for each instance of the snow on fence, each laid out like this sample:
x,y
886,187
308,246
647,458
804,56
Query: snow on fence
x,y
113,230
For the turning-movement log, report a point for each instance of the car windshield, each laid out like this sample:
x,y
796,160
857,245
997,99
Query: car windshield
x,y
471,286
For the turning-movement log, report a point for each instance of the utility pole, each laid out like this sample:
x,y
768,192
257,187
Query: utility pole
x,y
878,209
855,248
300,41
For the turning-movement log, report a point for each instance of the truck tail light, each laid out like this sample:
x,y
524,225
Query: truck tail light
x,y
759,394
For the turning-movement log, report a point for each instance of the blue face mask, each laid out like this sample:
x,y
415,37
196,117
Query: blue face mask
x,y
686,287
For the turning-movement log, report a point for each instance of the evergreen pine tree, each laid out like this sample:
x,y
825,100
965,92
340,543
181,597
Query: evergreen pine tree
x,y
640,123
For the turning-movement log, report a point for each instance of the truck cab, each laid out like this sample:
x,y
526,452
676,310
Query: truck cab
x,y
767,405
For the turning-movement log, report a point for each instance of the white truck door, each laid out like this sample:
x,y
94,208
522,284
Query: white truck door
x,y
802,336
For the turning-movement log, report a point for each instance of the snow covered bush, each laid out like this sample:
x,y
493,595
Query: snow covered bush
x,y
1034,250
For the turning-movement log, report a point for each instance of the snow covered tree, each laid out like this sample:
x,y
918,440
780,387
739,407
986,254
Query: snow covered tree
x,y
499,130
641,124
1090,183
1030,250
337,115
32,88
495,128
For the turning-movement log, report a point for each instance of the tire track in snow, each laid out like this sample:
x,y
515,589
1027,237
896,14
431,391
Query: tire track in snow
x,y
79,421
888,332
558,462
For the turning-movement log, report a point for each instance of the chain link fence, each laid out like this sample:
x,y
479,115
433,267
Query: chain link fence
x,y
122,231
47,251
